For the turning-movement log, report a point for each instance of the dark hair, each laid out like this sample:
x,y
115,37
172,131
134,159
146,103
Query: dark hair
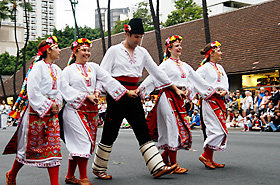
x,y
266,91
42,44
206,49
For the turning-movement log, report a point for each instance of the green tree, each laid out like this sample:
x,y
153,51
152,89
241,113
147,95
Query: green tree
x,y
118,27
144,13
186,10
7,64
4,11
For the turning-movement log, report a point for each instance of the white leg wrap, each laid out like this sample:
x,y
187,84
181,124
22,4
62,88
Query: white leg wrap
x,y
101,157
152,157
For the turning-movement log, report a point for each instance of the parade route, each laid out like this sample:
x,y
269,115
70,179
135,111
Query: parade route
x,y
251,158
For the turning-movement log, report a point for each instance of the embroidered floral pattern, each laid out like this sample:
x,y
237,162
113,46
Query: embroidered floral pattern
x,y
117,94
209,93
44,108
77,103
79,155
39,164
131,59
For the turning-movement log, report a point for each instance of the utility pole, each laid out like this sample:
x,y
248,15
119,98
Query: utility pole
x,y
73,5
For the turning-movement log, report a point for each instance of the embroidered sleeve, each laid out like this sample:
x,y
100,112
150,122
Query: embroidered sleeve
x,y
71,95
78,102
44,108
111,85
37,100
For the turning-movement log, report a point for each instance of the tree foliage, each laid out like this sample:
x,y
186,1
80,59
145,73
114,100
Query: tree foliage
x,y
186,10
65,38
7,63
142,12
118,27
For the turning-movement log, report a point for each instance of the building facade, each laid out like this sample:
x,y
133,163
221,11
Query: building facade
x,y
7,37
115,15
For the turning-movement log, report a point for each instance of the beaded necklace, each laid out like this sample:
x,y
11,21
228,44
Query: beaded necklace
x,y
85,73
54,77
217,70
178,62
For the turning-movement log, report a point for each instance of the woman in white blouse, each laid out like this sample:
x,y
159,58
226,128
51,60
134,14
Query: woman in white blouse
x,y
214,109
37,139
168,121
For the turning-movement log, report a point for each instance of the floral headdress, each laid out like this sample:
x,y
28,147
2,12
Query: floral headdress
x,y
80,42
77,44
51,41
171,40
214,47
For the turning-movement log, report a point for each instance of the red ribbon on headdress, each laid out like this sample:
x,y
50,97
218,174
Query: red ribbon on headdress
x,y
42,49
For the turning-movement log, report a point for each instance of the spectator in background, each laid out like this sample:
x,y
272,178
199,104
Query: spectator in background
x,y
102,112
264,102
275,98
234,104
148,106
238,99
268,114
247,123
195,119
260,95
4,110
237,119
275,124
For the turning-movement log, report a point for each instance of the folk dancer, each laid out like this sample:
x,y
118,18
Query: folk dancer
x,y
36,141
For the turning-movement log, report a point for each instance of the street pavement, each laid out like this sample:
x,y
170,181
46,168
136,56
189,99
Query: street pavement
x,y
251,158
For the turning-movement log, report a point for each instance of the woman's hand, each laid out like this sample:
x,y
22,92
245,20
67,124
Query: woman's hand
x,y
93,98
55,108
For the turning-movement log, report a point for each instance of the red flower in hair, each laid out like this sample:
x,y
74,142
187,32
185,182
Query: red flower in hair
x,y
127,28
84,39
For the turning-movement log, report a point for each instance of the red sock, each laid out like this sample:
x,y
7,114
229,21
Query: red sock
x,y
211,155
15,169
208,153
172,156
82,163
54,175
72,164
164,155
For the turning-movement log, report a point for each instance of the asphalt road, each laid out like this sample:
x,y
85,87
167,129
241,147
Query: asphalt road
x,y
251,158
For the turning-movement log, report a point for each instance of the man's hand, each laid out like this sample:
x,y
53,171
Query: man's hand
x,y
132,93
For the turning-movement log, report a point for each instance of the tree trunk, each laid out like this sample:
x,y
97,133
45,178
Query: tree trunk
x,y
26,42
15,15
206,22
101,28
157,28
109,23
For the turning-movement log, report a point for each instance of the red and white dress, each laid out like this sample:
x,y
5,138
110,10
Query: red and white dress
x,y
168,120
213,109
37,139
80,116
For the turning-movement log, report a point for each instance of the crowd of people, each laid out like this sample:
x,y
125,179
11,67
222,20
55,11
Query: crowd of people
x,y
258,111
57,104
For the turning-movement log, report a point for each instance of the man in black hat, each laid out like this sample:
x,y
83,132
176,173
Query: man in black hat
x,y
125,62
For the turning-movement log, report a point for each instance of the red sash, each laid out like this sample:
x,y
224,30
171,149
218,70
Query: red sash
x,y
130,83
88,113
180,113
218,106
